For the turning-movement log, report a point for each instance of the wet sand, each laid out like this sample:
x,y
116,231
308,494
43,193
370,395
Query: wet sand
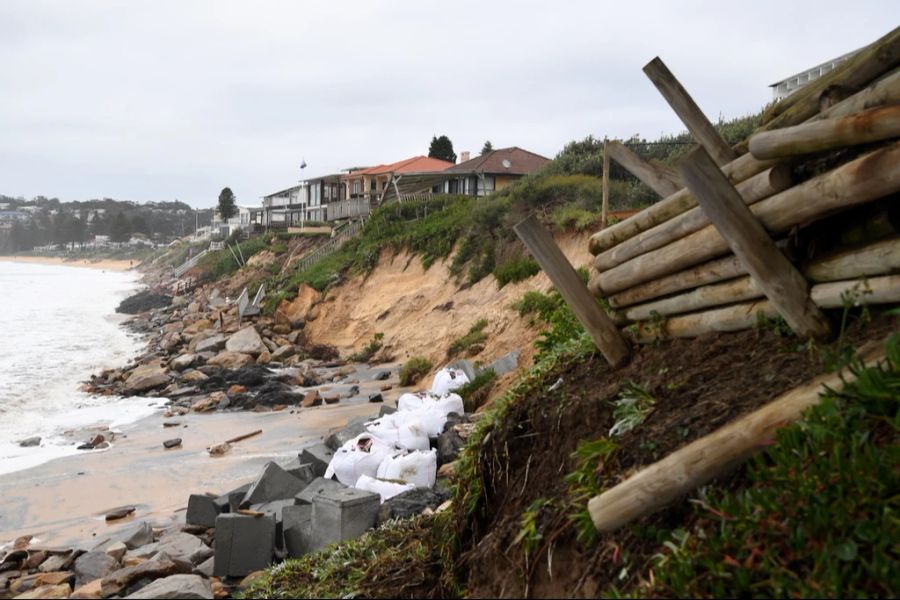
x,y
64,502
104,264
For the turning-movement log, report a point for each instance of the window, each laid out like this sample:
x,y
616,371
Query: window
x,y
355,189
485,185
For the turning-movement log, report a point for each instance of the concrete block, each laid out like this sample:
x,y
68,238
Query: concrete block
x,y
319,485
318,456
274,483
465,366
202,510
274,508
296,529
386,410
231,501
339,515
504,364
243,544
301,471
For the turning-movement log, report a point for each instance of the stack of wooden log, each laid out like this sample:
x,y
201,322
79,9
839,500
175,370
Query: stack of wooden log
x,y
694,262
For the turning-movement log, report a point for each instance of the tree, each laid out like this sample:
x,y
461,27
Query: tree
x,y
488,147
227,208
442,148
120,228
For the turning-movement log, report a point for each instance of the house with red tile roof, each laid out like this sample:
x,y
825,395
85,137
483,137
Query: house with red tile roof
x,y
371,183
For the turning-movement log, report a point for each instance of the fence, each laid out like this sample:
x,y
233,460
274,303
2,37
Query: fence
x,y
331,246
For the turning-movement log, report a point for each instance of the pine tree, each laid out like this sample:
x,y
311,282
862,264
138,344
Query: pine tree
x,y
227,208
442,148
488,147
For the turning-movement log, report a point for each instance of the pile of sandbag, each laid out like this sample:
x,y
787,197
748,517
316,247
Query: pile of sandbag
x,y
395,453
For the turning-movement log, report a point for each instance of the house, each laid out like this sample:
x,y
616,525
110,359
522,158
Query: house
x,y
372,184
789,85
479,176
283,208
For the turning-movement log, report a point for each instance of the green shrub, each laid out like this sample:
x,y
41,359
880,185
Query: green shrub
x,y
476,335
572,218
369,351
534,303
476,391
414,369
516,270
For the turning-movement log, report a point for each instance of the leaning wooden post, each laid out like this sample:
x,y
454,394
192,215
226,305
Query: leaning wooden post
x,y
779,280
688,111
603,331
604,208
661,179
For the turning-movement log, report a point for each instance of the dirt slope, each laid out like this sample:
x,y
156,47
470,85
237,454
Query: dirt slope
x,y
421,312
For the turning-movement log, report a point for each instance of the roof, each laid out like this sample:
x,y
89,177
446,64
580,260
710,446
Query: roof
x,y
416,164
521,162
284,191
839,59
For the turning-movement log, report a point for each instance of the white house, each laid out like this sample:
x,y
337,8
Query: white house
x,y
789,85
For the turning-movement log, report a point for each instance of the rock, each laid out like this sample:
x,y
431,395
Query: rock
x,y
331,398
143,301
48,591
30,442
274,483
170,341
89,591
386,387
376,398
354,427
230,360
178,547
173,443
58,562
182,362
30,582
116,550
206,568
264,358
93,565
353,391
381,375
193,375
449,446
411,503
246,341
236,389
146,377
243,544
176,586
447,470
114,583
119,513
283,352
202,509
198,326
282,328
318,456
310,399
35,559
219,449
137,535
386,410
213,343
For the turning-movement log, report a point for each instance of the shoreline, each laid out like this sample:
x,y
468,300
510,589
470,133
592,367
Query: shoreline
x,y
106,264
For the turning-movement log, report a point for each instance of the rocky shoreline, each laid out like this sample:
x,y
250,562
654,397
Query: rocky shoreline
x,y
202,358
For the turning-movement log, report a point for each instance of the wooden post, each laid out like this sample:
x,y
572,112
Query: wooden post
x,y
603,331
604,208
781,282
715,454
688,111
661,179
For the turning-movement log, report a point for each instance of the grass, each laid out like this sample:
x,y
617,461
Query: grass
x,y
633,405
414,369
475,392
220,263
369,351
516,270
594,462
473,338
820,515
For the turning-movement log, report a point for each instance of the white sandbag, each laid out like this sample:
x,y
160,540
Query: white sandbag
x,y
385,489
360,456
447,403
448,379
406,433
418,468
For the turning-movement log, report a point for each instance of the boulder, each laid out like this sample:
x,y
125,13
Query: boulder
x,y
146,377
264,358
173,443
137,535
48,591
176,586
89,591
58,562
310,399
193,376
93,565
206,568
376,397
182,362
354,427
449,445
283,352
246,341
412,503
30,442
116,550
231,360
177,546
213,343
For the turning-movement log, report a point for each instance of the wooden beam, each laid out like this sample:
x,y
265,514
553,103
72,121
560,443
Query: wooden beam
x,y
603,331
864,179
772,272
713,455
873,125
604,207
659,178
688,111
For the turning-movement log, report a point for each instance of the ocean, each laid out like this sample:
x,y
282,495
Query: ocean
x,y
57,327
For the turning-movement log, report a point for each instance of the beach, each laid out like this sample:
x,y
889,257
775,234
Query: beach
x,y
105,264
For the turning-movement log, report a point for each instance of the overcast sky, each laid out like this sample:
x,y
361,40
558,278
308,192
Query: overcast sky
x,y
162,100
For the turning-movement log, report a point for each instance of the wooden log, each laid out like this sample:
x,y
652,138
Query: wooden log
x,y
877,258
739,170
869,177
688,111
661,179
611,343
760,186
782,284
873,125
883,289
732,291
878,58
883,92
713,455
604,207
241,438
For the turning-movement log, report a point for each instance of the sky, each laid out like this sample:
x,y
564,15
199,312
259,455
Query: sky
x,y
164,100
